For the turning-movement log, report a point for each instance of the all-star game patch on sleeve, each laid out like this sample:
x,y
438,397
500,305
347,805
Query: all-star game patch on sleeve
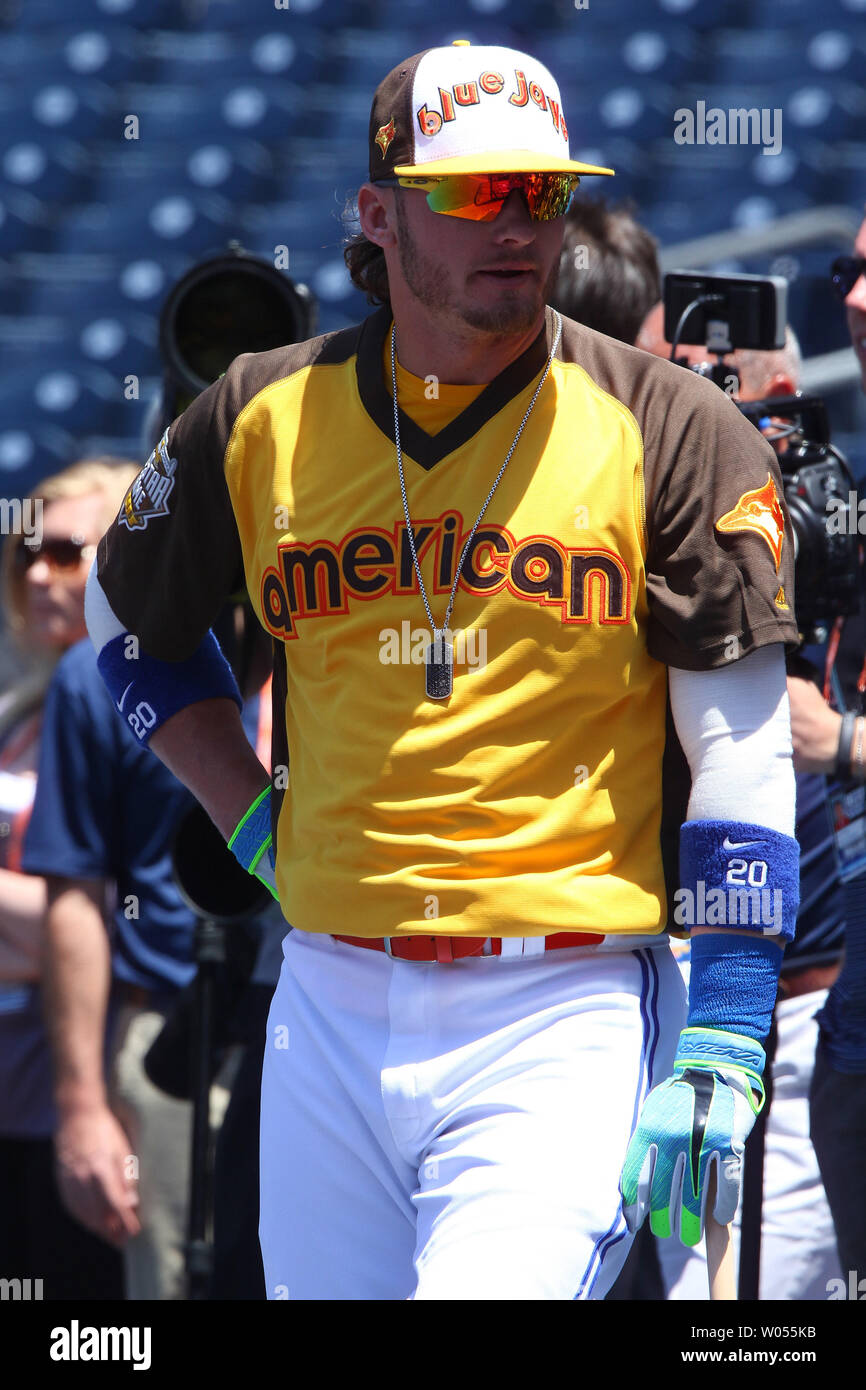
x,y
173,556
720,562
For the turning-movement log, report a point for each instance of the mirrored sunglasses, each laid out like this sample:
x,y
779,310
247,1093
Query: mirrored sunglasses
x,y
479,197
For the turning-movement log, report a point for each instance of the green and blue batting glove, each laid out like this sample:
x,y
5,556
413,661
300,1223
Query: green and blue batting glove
x,y
699,1116
252,844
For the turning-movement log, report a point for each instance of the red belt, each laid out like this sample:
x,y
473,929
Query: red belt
x,y
448,948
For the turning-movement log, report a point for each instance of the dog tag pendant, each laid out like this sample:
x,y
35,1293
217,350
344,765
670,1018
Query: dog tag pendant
x,y
439,667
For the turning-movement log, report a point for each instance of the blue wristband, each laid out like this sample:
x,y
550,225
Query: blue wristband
x,y
733,982
146,691
738,875
251,836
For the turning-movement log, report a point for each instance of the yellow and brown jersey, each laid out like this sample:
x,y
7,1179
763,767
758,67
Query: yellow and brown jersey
x,y
638,524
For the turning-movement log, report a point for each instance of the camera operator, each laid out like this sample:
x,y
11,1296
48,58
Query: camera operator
x,y
826,742
797,1257
761,374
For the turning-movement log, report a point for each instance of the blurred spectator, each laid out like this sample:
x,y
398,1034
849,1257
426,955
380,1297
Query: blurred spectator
x,y
43,579
838,1097
118,940
608,269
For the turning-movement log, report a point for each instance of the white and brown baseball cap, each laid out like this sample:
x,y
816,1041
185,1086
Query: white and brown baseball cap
x,y
467,109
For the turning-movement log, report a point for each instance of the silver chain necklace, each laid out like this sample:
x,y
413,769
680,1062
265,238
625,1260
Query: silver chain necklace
x,y
439,655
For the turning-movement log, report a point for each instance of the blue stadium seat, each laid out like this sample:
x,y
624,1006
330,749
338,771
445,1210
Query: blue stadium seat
x,y
837,50
312,226
844,11
219,59
144,281
69,330
672,219
45,58
786,14
364,51
295,15
74,288
40,16
638,110
57,391
735,14
26,223
31,452
756,209
258,107
340,113
238,169
651,51
176,220
49,169
752,56
70,108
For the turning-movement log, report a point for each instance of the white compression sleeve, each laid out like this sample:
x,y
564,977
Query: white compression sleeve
x,y
102,621
734,725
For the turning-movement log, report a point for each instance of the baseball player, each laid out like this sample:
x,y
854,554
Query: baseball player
x,y
487,543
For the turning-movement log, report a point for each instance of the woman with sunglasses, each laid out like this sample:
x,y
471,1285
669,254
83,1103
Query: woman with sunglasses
x,y
43,579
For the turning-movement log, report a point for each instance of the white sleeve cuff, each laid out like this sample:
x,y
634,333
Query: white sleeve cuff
x,y
734,725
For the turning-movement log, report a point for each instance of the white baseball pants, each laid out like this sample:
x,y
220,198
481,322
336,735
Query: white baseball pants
x,y
456,1131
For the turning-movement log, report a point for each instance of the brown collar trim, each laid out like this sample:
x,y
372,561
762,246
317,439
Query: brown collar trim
x,y
427,449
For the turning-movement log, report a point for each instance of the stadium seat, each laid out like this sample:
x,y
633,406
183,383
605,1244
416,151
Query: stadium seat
x,y
315,15
26,223
45,58
40,16
219,59
238,169
314,227
177,219
30,452
70,108
49,169
753,56
786,14
616,58
734,14
56,390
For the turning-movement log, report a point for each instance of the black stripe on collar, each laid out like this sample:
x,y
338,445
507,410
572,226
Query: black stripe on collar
x,y
428,449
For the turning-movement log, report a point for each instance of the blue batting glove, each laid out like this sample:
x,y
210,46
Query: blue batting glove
x,y
252,845
700,1115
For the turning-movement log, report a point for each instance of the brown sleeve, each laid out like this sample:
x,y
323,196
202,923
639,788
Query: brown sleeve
x,y
720,562
172,556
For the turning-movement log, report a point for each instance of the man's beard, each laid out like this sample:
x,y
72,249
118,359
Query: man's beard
x,y
430,282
